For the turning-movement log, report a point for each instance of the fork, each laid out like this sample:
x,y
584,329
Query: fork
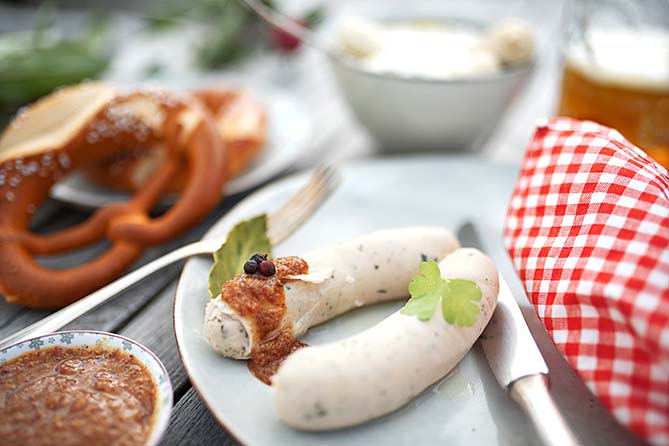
x,y
280,225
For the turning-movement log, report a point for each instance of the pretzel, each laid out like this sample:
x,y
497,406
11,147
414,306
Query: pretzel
x,y
240,120
77,127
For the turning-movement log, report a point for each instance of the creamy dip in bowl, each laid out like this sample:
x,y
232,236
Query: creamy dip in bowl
x,y
429,49
430,84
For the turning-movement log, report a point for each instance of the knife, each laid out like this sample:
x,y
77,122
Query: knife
x,y
516,361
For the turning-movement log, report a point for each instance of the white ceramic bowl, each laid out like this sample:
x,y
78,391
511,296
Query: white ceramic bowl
x,y
109,341
407,114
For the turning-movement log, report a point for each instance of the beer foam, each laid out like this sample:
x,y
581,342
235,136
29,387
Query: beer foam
x,y
628,58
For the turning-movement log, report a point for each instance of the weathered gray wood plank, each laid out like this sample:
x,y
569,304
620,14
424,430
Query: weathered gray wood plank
x,y
54,217
153,326
191,424
8,313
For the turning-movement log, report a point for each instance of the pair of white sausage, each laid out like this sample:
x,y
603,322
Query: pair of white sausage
x,y
379,370
367,269
374,372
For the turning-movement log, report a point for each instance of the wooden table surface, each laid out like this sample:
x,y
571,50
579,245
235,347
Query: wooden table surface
x,y
144,313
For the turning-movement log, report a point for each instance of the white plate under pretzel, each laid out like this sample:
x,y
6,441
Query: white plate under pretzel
x,y
288,137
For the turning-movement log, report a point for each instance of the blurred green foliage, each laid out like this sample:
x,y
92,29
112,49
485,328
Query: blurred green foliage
x,y
231,30
34,63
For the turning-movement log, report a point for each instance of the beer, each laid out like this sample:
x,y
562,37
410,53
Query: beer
x,y
621,79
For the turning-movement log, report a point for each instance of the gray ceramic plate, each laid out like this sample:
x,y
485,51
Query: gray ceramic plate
x,y
466,408
289,135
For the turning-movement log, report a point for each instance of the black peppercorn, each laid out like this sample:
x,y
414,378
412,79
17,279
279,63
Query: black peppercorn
x,y
266,268
251,267
258,258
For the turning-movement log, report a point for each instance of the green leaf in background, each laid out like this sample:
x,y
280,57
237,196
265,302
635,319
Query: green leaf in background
x,y
456,295
245,239
34,63
230,29
153,70
171,16
314,17
224,40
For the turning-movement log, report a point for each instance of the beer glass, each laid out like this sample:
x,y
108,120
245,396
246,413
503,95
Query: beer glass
x,y
616,69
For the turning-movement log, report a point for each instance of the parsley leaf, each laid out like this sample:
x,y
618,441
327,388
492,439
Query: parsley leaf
x,y
425,288
457,306
457,296
245,239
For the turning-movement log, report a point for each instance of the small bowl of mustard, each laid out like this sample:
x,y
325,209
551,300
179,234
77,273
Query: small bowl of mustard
x,y
83,388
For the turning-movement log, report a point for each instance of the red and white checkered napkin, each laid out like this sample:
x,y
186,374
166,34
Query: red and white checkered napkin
x,y
588,231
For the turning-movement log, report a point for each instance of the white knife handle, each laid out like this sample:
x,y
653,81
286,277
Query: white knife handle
x,y
531,393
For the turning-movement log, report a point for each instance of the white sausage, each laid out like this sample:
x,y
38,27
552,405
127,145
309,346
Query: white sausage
x,y
379,370
364,270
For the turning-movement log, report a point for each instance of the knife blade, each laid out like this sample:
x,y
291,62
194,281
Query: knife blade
x,y
516,361
507,342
